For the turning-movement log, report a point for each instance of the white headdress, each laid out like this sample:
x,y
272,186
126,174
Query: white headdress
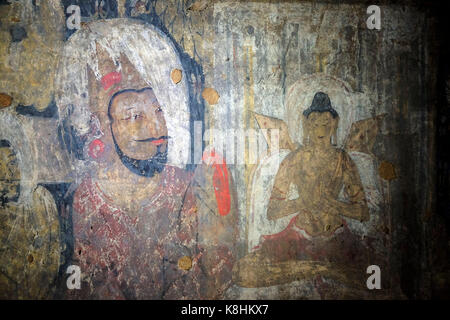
x,y
152,55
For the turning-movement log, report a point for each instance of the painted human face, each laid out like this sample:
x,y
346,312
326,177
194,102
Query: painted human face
x,y
321,127
9,174
138,123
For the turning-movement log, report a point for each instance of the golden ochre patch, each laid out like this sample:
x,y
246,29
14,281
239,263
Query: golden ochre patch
x,y
5,100
210,95
387,171
176,75
185,263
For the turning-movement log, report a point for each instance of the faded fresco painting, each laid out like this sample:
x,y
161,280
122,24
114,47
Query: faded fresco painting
x,y
312,216
218,150
137,216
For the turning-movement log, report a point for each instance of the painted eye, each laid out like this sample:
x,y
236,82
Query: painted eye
x,y
133,116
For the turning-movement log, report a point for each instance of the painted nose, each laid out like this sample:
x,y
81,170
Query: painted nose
x,y
154,128
321,131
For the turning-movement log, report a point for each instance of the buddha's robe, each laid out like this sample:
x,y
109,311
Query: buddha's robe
x,y
316,233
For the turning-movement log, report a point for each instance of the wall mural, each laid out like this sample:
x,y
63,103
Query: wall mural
x,y
206,150
309,205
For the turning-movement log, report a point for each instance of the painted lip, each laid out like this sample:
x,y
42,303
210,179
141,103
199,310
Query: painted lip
x,y
155,141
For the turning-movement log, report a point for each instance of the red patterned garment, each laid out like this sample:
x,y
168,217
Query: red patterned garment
x,y
125,258
293,243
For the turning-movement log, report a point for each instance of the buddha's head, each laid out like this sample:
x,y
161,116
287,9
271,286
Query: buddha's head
x,y
320,122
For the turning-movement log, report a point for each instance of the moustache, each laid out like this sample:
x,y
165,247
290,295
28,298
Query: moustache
x,y
158,140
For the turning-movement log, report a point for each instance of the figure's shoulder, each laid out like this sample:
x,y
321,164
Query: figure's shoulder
x,y
40,192
176,173
43,198
84,188
175,179
292,156
344,158
86,196
296,156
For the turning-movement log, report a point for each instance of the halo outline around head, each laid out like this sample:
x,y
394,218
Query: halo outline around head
x,y
300,96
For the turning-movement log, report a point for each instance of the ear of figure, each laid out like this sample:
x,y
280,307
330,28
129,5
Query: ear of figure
x,y
335,124
306,130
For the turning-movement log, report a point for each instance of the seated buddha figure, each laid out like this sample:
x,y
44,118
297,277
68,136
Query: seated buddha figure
x,y
319,171
327,187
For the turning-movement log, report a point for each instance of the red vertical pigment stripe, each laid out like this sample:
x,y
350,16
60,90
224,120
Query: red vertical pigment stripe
x,y
220,182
